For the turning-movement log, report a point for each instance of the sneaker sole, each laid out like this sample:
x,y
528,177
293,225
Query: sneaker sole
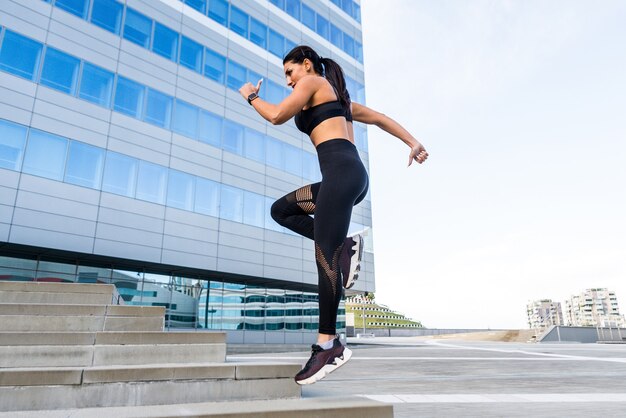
x,y
355,262
329,368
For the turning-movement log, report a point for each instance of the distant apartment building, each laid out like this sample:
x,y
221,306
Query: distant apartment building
x,y
593,307
544,313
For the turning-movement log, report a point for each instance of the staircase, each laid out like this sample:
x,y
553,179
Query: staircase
x,y
65,346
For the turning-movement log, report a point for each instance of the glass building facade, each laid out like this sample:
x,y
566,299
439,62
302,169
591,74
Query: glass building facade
x,y
127,154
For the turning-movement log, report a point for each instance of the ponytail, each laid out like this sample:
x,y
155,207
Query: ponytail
x,y
334,75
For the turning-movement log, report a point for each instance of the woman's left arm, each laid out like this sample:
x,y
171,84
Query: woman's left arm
x,y
280,113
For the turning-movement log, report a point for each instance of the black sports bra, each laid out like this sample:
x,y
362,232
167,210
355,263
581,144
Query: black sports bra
x,y
307,120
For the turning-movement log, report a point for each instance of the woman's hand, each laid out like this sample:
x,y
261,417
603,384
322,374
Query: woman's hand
x,y
418,153
248,88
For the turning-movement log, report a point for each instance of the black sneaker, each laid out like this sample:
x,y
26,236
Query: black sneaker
x,y
323,362
350,259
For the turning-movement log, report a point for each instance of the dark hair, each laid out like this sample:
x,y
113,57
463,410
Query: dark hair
x,y
322,66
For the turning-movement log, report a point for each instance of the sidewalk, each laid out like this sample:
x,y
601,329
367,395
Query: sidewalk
x,y
452,378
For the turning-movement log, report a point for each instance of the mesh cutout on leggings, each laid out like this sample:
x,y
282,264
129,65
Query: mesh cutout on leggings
x,y
304,199
331,271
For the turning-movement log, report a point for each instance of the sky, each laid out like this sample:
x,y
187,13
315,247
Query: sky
x,y
522,107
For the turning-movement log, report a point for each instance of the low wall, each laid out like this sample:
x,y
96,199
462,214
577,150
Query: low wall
x,y
583,335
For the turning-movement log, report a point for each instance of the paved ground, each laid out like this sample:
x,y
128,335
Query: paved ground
x,y
448,378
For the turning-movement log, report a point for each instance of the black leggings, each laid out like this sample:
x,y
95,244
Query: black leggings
x,y
344,184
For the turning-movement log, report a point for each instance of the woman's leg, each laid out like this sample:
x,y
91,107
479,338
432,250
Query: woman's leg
x,y
294,210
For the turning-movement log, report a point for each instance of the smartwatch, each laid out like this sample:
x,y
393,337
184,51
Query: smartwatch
x,y
251,97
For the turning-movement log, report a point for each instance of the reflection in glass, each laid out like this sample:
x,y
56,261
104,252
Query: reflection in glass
x,y
120,174
107,14
45,155
151,182
60,71
137,28
12,140
84,165
19,55
96,85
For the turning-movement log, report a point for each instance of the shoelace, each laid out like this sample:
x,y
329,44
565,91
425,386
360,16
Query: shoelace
x,y
314,350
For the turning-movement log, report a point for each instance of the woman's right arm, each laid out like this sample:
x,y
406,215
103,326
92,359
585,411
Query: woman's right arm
x,y
369,116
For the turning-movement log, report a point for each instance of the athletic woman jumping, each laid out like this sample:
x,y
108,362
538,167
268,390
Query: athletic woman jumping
x,y
322,109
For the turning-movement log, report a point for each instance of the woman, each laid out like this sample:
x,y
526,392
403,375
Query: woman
x,y
322,109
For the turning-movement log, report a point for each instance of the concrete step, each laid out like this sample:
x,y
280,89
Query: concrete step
x,y
59,293
12,286
60,298
328,407
160,384
113,349
34,323
110,338
79,318
81,310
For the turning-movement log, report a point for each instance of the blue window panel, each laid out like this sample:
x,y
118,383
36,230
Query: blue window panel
x,y
186,119
357,12
346,6
270,223
20,56
274,92
336,3
158,109
120,174
96,85
199,5
308,17
207,199
75,7
137,28
253,209
218,11
85,164
336,36
274,153
278,3
258,33
360,94
322,27
237,75
60,71
180,190
358,51
45,155
351,86
215,66
292,7
310,167
293,160
129,97
165,42
238,22
289,45
348,45
360,137
12,141
232,137
191,54
210,128
108,15
231,203
276,43
151,181
254,145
